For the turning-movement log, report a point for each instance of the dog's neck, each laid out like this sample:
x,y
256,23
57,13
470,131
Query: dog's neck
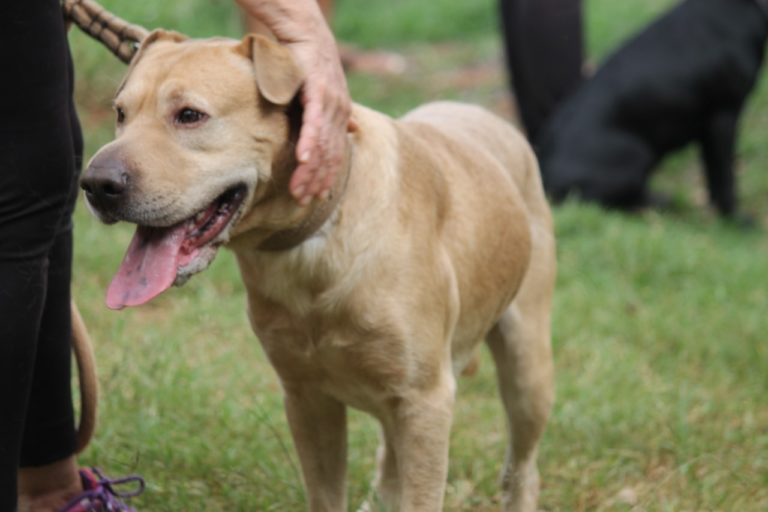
x,y
320,212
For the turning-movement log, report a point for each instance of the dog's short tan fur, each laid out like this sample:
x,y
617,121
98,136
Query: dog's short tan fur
x,y
441,238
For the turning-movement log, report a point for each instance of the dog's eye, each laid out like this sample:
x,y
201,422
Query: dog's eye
x,y
120,115
190,116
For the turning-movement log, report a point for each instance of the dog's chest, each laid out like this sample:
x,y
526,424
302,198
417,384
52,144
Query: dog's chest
x,y
357,364
337,336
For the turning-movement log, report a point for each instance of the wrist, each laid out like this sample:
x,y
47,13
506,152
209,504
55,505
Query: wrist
x,y
290,21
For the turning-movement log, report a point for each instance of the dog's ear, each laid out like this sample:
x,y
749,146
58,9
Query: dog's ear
x,y
153,37
278,76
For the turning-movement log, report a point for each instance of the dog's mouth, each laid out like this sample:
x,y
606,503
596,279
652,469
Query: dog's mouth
x,y
159,257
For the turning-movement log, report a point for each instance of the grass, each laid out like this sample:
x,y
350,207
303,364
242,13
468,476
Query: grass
x,y
659,327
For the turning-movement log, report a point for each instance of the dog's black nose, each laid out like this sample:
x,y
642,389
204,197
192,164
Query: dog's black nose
x,y
105,184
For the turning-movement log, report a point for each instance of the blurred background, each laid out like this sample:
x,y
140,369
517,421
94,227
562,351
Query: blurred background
x,y
660,321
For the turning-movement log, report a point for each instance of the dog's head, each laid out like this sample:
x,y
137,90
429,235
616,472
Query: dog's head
x,y
201,127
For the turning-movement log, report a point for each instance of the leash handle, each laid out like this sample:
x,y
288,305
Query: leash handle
x,y
119,36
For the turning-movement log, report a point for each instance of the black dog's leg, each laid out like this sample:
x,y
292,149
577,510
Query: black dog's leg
x,y
717,152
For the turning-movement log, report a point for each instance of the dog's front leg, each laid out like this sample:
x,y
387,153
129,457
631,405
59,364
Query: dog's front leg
x,y
717,152
319,427
420,427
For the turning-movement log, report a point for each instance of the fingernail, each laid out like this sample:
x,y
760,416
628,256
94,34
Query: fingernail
x,y
304,201
305,156
299,191
325,194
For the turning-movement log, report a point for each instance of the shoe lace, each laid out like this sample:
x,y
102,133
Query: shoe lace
x,y
104,496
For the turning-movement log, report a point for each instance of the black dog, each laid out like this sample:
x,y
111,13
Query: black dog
x,y
683,79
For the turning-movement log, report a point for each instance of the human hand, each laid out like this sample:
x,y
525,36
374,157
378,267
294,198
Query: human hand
x,y
322,139
301,27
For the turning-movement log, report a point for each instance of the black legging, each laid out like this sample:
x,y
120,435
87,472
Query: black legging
x,y
40,152
544,47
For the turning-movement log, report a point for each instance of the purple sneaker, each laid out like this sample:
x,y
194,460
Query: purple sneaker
x,y
99,494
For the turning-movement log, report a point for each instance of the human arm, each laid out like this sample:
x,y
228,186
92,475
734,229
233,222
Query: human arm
x,y
300,26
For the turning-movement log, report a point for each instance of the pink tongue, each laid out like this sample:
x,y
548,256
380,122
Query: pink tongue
x,y
149,266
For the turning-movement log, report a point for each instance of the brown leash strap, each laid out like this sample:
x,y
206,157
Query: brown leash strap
x,y
122,38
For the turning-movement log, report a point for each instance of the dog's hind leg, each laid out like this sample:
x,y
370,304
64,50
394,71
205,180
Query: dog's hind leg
x,y
319,427
387,482
520,345
521,351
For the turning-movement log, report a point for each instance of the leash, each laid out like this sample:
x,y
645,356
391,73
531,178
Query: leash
x,y
119,36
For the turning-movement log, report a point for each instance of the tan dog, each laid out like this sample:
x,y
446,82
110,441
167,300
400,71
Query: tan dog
x,y
437,237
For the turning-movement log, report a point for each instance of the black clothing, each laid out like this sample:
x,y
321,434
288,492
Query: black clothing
x,y
40,154
544,51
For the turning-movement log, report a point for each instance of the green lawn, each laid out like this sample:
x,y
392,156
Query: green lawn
x,y
659,331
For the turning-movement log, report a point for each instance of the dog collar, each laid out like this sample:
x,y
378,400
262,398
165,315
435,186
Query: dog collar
x,y
290,238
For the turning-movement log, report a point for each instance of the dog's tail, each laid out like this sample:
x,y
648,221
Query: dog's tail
x,y
86,373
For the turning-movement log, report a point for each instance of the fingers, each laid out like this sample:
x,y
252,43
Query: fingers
x,y
314,177
322,140
300,183
308,156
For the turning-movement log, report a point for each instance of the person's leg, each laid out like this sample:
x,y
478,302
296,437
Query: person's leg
x,y
48,476
49,434
36,183
50,487
21,281
544,51
34,359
